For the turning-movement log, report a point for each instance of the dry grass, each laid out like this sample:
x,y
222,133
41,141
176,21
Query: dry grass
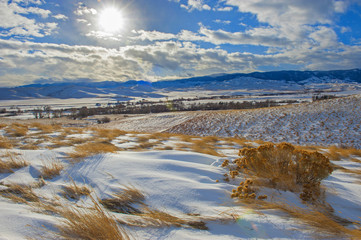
x,y
19,193
205,147
324,223
14,162
17,130
90,149
336,153
51,168
74,191
73,130
89,224
108,134
124,200
5,143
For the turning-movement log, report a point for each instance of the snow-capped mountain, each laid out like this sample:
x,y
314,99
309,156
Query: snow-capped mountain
x,y
340,80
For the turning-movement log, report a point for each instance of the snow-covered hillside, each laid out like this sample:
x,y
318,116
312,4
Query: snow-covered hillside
x,y
328,122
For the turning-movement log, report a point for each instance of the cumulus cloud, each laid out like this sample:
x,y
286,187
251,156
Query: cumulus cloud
x,y
60,17
14,22
196,5
84,10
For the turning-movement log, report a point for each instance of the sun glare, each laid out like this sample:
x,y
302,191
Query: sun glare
x,y
111,20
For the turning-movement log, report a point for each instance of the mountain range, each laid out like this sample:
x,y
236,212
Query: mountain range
x,y
227,84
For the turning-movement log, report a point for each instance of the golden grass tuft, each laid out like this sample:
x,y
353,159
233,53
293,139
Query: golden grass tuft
x,y
326,224
108,134
51,168
74,191
89,224
14,162
46,128
19,193
90,149
336,153
5,143
205,147
17,130
124,200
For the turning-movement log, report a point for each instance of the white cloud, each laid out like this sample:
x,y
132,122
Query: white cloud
x,y
15,23
224,9
222,21
60,17
151,35
84,10
196,5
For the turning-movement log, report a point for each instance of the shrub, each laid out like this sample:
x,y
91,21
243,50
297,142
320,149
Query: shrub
x,y
286,168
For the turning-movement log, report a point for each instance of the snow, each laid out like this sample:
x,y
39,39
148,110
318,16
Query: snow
x,y
177,182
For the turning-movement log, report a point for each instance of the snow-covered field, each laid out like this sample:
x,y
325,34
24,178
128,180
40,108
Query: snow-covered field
x,y
185,192
331,122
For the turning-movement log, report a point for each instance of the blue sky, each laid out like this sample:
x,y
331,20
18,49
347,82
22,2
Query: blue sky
x,y
106,40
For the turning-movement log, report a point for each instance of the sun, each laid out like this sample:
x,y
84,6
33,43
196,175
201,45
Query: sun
x,y
111,20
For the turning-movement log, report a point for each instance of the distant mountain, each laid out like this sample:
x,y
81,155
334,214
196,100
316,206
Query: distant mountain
x,y
273,81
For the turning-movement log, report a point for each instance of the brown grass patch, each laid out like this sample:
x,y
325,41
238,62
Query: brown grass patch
x,y
5,143
51,168
17,130
74,191
336,153
90,149
29,146
124,200
14,162
324,222
46,128
205,147
89,224
108,134
19,193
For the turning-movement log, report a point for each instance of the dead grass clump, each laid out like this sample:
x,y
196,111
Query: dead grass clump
x,y
14,162
89,224
286,168
29,146
17,130
19,193
109,134
46,128
336,153
5,143
124,201
51,169
205,147
90,149
325,223
73,130
74,192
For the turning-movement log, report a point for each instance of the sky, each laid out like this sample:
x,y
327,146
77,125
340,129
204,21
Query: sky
x,y
52,41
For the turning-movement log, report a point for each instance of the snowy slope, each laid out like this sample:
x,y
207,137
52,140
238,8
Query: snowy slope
x,y
185,184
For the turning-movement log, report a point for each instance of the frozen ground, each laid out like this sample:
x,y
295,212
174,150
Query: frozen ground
x,y
178,181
